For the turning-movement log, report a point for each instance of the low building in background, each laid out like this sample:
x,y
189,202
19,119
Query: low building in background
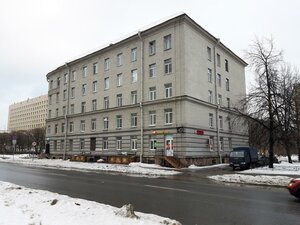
x,y
166,91
28,114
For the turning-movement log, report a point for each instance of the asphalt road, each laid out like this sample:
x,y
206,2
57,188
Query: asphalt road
x,y
189,198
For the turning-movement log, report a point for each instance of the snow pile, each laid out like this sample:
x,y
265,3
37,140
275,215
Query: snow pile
x,y
207,167
131,169
281,181
20,205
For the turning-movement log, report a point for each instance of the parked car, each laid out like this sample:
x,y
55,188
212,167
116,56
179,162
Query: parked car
x,y
294,187
264,160
243,157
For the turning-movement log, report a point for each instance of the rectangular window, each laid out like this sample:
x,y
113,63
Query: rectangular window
x,y
65,78
219,99
70,144
227,84
49,129
221,143
119,121
168,90
71,127
83,89
230,143
219,80
106,102
105,143
119,143
57,97
73,76
152,143
133,119
211,120
55,145
119,80
94,104
210,96
50,99
152,93
56,112
133,142
152,47
211,143
228,102
93,124
167,42
55,128
95,68
218,60
229,124
134,97
106,64
168,116
64,110
58,82
94,86
168,66
133,54
83,107
62,144
152,70
51,84
119,100
152,115
120,59
221,122
63,127
105,123
209,75
73,92
209,53
226,65
49,114
133,76
84,71
65,95
81,144
106,83
72,109
82,125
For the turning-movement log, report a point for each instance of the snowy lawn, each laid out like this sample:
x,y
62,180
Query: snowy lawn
x,y
20,205
277,176
143,169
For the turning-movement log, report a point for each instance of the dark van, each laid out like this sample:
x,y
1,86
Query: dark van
x,y
243,157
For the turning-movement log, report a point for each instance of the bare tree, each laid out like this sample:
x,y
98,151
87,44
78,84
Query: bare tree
x,y
260,103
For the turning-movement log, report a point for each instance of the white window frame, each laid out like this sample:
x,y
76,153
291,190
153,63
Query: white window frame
x,y
106,64
227,84
73,92
73,77
221,122
134,76
210,96
119,79
219,78
152,70
84,89
94,124
95,86
168,66
209,75
168,90
106,102
71,127
168,116
133,143
133,119
119,100
83,107
120,59
94,104
118,143
209,53
152,47
105,123
133,54
82,126
153,143
95,68
119,122
219,99
84,71
106,83
211,120
167,42
152,93
152,115
105,143
134,97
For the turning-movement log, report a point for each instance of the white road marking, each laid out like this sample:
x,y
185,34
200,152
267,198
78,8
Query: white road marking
x,y
167,188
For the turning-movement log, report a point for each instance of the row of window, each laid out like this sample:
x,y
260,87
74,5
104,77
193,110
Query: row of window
x,y
119,100
119,62
219,79
133,143
219,99
168,116
221,122
209,57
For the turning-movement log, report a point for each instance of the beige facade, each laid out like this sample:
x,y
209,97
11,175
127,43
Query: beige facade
x,y
29,114
167,90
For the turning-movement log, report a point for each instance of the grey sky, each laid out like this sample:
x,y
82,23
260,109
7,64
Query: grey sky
x,y
36,36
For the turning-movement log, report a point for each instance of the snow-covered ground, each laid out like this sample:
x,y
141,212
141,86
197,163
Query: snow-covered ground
x,y
20,205
265,175
141,169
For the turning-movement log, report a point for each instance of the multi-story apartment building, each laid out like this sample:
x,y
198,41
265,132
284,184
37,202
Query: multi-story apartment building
x,y
167,90
28,114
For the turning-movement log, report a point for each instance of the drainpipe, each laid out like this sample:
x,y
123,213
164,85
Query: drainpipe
x,y
216,101
67,111
142,97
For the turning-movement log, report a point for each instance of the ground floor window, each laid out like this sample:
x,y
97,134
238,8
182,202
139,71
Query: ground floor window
x,y
119,143
62,145
105,143
133,143
70,144
55,145
152,143
82,144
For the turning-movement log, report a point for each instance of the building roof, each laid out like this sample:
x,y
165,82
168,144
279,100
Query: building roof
x,y
181,16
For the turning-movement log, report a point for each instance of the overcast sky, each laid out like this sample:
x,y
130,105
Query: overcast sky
x,y
37,36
